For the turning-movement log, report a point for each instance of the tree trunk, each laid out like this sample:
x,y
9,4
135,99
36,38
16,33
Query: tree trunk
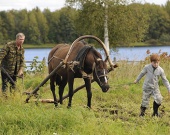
x,y
106,35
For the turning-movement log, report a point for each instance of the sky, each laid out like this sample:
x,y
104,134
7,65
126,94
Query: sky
x,y
50,4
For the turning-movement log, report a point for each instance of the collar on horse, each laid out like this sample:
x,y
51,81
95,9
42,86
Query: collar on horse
x,y
82,55
80,58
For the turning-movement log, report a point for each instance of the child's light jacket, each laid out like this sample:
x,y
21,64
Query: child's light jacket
x,y
152,77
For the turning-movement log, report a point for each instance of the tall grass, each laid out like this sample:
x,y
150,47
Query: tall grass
x,y
113,113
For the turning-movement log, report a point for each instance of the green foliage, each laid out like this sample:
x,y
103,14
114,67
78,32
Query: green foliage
x,y
91,14
158,22
62,28
165,38
1,29
67,32
167,7
128,24
42,26
33,30
152,42
10,24
36,66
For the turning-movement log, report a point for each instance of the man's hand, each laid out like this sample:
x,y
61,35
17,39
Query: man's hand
x,y
20,73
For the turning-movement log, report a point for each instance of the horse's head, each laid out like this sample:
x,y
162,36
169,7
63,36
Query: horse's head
x,y
95,65
100,74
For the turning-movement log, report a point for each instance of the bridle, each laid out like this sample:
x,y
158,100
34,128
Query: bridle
x,y
95,70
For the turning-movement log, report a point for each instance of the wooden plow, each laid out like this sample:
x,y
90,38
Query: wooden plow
x,y
64,62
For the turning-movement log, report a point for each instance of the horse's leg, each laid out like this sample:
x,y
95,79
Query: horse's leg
x,y
61,90
88,89
52,86
70,85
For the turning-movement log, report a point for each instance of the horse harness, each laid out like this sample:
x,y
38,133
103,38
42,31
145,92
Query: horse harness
x,y
79,62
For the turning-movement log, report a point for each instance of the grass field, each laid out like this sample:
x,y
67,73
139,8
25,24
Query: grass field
x,y
113,113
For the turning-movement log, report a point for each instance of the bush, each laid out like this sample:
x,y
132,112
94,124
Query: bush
x,y
165,38
152,42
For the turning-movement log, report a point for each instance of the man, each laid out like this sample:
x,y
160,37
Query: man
x,y
12,60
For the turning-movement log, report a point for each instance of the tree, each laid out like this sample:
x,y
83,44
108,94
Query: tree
x,y
4,26
139,21
167,7
42,25
159,21
1,34
61,25
33,30
21,22
89,16
113,19
9,24
67,32
52,20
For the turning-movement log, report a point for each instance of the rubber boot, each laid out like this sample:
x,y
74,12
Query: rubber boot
x,y
155,109
142,111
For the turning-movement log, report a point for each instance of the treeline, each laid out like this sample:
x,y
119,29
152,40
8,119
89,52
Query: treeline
x,y
126,24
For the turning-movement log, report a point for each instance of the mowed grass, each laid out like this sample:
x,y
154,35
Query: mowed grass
x,y
113,113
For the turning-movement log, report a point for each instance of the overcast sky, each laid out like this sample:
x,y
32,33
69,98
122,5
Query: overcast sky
x,y
50,4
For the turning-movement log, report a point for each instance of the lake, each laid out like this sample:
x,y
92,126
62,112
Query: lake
x,y
120,53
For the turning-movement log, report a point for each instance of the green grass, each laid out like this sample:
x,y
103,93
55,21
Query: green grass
x,y
113,113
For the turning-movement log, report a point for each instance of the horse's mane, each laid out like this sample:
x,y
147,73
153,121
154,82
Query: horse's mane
x,y
97,57
97,54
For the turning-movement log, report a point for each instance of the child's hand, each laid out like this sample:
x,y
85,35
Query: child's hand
x,y
169,93
136,82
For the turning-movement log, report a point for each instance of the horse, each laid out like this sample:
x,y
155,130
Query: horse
x,y
84,61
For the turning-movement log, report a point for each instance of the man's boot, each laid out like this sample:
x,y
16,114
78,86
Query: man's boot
x,y
155,109
142,111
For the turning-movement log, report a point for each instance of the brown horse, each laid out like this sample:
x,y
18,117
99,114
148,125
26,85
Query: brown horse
x,y
83,62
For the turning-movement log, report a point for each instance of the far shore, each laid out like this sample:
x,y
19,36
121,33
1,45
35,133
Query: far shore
x,y
32,46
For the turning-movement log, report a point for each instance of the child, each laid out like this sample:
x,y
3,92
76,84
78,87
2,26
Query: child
x,y
150,86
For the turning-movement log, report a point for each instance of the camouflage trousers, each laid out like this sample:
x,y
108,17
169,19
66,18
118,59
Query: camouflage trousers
x,y
6,80
147,93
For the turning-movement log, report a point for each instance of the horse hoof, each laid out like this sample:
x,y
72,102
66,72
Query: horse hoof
x,y
87,107
56,105
36,103
26,101
69,106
